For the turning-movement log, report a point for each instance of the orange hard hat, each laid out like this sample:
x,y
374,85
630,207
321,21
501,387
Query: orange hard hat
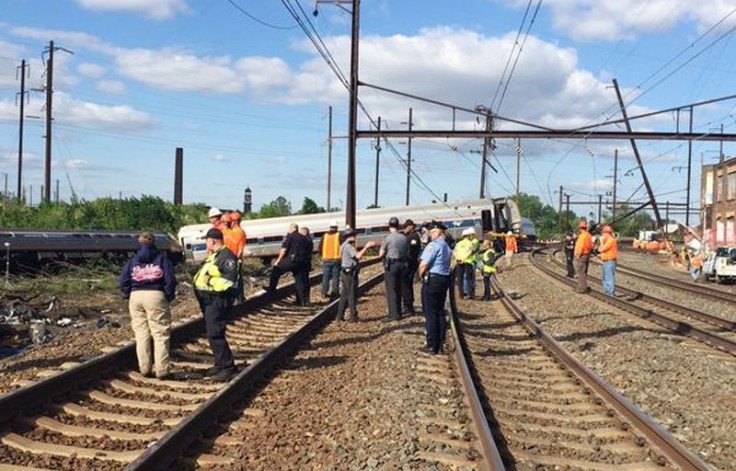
x,y
582,224
235,216
607,228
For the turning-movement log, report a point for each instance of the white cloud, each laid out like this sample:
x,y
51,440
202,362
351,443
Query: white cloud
x,y
625,19
156,9
112,87
89,70
179,71
221,158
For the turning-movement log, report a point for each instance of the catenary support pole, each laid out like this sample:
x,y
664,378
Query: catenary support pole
x,y
21,126
49,117
408,159
689,169
634,147
179,176
329,159
378,165
353,115
615,183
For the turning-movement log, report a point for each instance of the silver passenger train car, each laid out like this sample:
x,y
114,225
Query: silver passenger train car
x,y
264,236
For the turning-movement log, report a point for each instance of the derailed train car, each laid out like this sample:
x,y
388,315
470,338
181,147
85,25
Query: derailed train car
x,y
33,248
498,215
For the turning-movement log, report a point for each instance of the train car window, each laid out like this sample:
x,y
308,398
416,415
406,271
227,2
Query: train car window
x,y
260,241
368,231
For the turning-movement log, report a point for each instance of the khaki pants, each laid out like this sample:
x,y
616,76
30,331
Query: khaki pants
x,y
509,257
583,262
150,319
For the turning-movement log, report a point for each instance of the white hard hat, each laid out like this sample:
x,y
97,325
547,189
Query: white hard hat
x,y
334,223
509,233
469,231
214,212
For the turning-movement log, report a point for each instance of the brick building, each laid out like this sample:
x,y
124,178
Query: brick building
x,y
718,203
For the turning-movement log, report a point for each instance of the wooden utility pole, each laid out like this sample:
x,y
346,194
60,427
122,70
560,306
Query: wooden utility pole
x,y
21,126
652,199
378,164
615,183
329,159
559,212
178,176
518,167
600,208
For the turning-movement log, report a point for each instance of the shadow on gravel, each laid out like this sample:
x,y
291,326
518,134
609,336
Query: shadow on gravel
x,y
387,329
485,327
510,352
580,316
315,362
45,363
610,332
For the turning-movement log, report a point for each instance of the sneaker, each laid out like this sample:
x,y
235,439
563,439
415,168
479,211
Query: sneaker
x,y
224,375
165,377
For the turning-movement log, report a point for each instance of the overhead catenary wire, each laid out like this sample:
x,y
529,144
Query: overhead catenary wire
x,y
255,18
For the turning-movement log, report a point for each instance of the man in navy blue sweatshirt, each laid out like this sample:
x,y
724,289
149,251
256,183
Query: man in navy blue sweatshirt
x,y
148,282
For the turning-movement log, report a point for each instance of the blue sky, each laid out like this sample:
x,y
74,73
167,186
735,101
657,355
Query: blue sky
x,y
249,102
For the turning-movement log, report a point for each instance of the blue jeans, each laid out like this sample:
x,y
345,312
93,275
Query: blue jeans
x,y
330,278
609,277
467,277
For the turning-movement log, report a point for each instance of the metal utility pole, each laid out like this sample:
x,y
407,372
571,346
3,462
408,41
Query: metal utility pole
x,y
600,208
689,170
567,209
559,212
178,176
638,157
329,159
486,146
49,117
720,151
21,125
518,167
408,160
378,163
353,115
615,183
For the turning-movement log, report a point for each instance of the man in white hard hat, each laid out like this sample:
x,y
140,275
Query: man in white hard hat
x,y
329,252
464,252
215,217
511,247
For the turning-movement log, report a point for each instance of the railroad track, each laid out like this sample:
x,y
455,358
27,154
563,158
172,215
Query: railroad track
x,y
102,414
546,410
715,331
679,284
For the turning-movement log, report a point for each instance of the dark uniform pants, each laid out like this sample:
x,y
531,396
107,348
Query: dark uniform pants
x,y
216,310
276,273
407,287
394,274
583,262
487,277
436,294
348,296
570,259
301,284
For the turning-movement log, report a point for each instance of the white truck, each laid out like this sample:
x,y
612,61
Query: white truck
x,y
720,265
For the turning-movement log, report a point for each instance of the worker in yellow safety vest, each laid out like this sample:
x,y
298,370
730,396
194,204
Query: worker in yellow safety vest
x,y
488,258
214,287
329,252
464,253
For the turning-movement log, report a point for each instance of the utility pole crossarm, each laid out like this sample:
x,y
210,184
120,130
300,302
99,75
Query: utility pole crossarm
x,y
552,134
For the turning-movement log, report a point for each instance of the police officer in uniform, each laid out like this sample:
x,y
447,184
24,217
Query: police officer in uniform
x,y
412,265
215,289
349,258
434,269
394,251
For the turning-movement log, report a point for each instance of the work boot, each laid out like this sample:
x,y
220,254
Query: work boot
x,y
212,371
224,375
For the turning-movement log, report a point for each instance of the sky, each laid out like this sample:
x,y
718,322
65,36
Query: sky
x,y
240,87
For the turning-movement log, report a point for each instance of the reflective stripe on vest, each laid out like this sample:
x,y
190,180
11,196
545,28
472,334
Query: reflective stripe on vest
x,y
331,246
488,267
215,282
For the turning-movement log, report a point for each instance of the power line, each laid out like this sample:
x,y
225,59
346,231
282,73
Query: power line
x,y
254,18
511,53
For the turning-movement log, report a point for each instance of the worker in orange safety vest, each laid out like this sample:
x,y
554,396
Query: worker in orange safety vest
x,y
608,253
583,248
329,252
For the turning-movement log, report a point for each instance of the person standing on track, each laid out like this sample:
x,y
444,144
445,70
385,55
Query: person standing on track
x,y
583,248
148,282
465,251
434,270
349,259
394,251
235,235
568,246
488,258
306,267
511,248
412,265
214,287
608,253
293,256
329,250
215,217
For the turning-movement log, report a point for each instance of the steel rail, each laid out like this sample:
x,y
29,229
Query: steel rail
x,y
492,460
16,402
682,328
672,449
683,285
717,321
169,447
